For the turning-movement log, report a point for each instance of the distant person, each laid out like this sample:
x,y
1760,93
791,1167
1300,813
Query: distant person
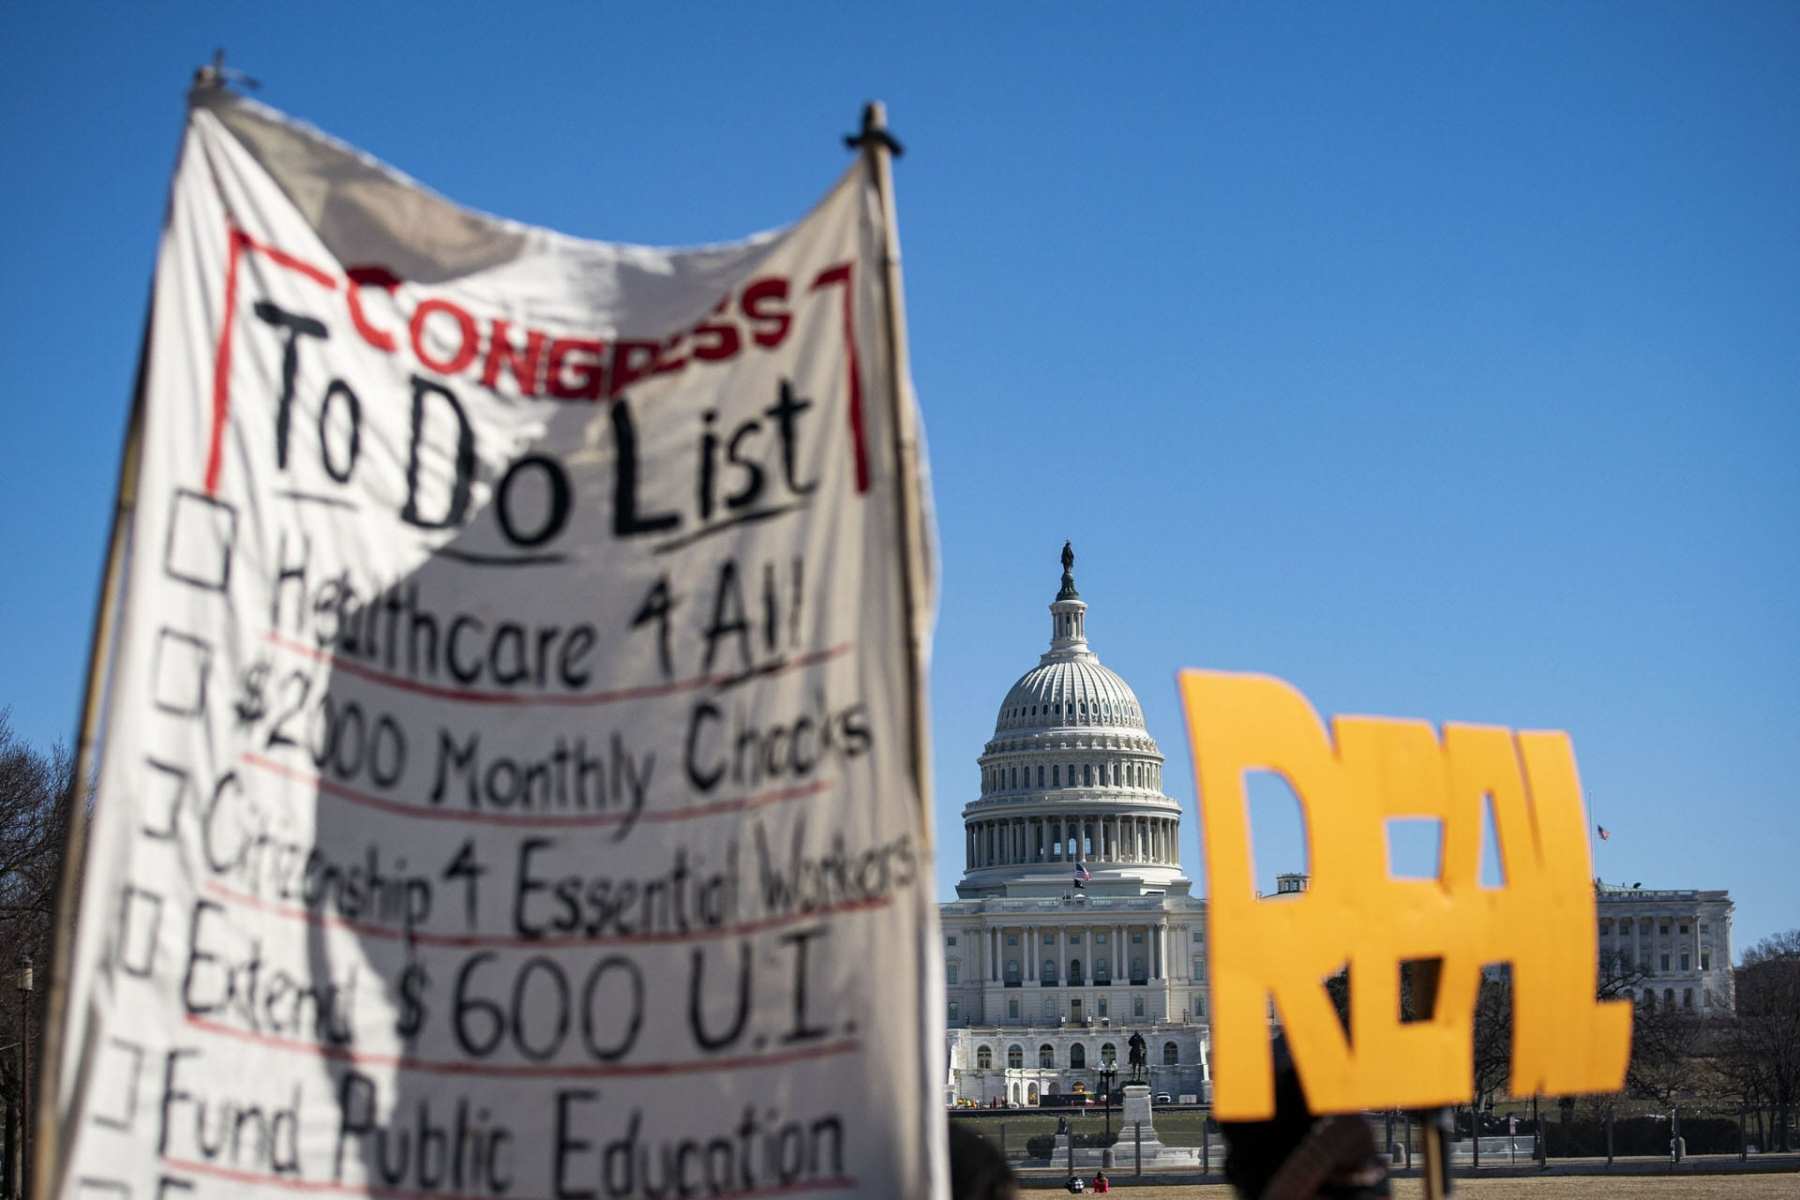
x,y
1101,1182
978,1171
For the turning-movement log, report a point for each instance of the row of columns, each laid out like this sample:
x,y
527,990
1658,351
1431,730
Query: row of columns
x,y
1118,839
1033,951
1642,933
1129,773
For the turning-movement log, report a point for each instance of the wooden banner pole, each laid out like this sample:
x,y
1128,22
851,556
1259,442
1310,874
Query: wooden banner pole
x,y
1436,1176
47,1127
881,147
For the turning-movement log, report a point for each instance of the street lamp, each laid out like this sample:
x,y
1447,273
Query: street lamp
x,y
1109,1075
25,1075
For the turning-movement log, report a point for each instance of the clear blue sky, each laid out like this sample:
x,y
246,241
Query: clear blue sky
x,y
1443,360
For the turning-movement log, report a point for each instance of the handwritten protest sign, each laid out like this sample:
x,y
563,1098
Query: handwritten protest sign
x,y
1349,785
511,751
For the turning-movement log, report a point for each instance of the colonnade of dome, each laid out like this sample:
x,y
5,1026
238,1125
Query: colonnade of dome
x,y
1096,839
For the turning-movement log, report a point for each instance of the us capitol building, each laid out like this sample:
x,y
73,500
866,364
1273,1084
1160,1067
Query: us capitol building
x,y
1048,980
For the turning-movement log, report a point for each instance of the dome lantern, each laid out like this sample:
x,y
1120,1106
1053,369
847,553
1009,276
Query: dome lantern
x,y
1068,615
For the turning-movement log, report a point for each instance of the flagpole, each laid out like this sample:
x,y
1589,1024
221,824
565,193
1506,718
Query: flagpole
x,y
1593,823
48,1126
880,147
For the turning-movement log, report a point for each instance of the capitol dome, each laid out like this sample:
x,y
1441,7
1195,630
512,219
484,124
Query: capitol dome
x,y
1071,781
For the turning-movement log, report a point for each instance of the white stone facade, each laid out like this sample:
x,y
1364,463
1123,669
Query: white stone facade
x,y
1678,940
1043,976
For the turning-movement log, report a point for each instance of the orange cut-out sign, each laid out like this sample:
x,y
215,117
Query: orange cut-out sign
x,y
1369,770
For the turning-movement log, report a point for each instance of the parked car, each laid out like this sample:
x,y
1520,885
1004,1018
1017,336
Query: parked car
x,y
1164,1098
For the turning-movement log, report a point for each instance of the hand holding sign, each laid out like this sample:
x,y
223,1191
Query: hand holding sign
x,y
1368,771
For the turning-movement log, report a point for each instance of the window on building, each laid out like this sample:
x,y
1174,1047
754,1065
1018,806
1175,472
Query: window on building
x,y
949,972
1074,939
1705,997
1046,1055
1056,776
984,1058
951,940
1099,939
1706,960
1049,939
1684,962
1040,774
1087,774
1605,925
1684,927
1100,1007
1109,1054
1665,962
1171,1054
1687,998
1649,998
1049,1008
1137,1006
1663,929
1077,1056
1012,1010
1049,971
1015,1056
1199,966
1199,936
1012,939
1668,997
1074,972
1137,969
1137,939
955,1013
1102,970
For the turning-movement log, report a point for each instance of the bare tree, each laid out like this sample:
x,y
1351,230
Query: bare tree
x,y
1760,1057
1493,1037
1619,975
1666,1047
34,787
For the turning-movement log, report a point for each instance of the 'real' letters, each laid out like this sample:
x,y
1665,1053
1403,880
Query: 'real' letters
x,y
1350,783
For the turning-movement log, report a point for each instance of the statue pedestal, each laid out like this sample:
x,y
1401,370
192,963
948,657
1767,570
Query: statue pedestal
x,y
1136,1111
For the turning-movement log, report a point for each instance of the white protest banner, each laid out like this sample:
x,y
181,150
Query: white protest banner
x,y
510,781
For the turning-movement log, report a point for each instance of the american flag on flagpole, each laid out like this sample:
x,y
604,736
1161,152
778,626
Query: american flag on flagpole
x,y
1082,874
1601,830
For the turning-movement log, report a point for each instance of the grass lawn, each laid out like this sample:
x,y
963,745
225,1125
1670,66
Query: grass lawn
x,y
1549,1187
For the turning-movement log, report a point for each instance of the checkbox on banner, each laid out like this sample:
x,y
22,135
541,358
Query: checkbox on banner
x,y
202,532
88,1188
166,789
140,921
178,675
121,1063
